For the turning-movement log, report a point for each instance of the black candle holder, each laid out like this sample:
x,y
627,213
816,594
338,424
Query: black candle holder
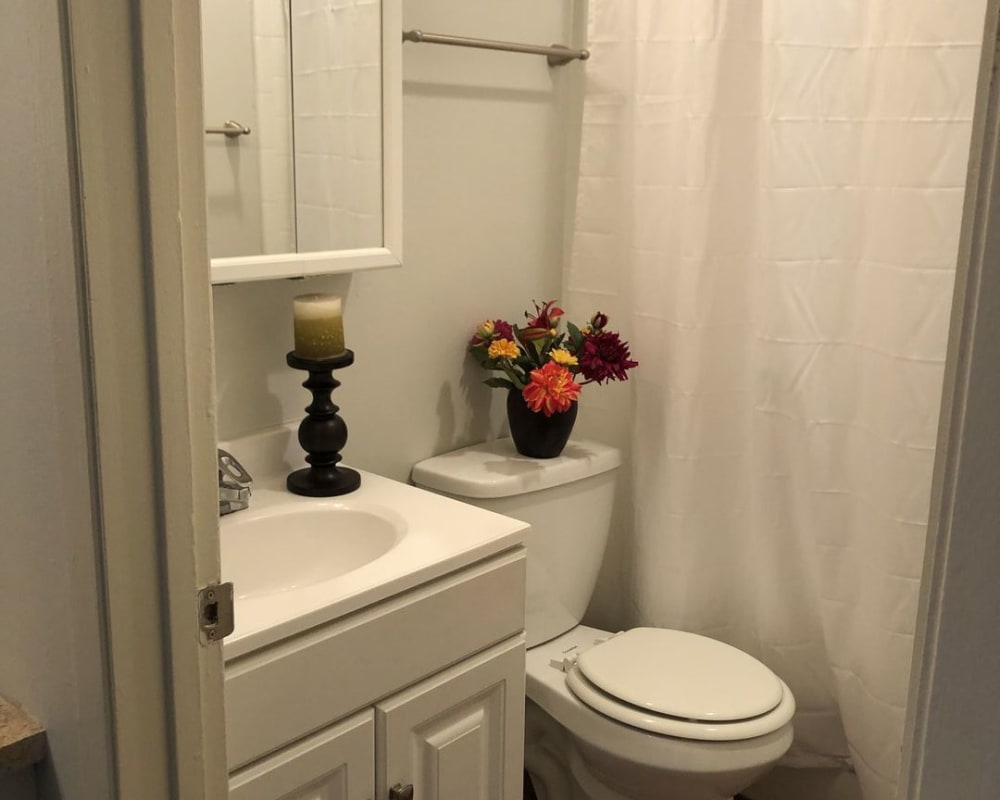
x,y
322,433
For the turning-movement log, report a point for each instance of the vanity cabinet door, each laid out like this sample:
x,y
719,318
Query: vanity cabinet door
x,y
458,735
337,763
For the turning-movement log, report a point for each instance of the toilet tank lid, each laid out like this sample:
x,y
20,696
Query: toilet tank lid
x,y
495,469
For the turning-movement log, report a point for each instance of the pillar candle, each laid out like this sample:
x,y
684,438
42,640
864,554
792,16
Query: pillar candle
x,y
319,326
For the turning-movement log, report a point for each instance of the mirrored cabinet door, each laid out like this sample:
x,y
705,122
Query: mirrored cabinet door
x,y
302,151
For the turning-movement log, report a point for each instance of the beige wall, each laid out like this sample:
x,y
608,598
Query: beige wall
x,y
484,150
50,637
490,159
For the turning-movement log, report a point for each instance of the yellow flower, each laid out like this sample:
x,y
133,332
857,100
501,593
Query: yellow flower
x,y
485,330
503,348
563,356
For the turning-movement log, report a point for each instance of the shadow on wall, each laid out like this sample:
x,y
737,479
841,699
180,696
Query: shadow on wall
x,y
483,420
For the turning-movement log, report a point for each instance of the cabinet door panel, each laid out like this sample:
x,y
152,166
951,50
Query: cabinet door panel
x,y
458,735
335,764
307,682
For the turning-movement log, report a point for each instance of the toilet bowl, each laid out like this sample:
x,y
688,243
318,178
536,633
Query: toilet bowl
x,y
603,757
634,715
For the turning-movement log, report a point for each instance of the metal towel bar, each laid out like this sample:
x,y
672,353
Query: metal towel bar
x,y
231,129
557,54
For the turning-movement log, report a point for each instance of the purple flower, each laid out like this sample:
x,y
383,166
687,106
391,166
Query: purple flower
x,y
503,330
605,357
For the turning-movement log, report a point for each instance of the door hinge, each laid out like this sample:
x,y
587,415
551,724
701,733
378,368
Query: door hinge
x,y
215,612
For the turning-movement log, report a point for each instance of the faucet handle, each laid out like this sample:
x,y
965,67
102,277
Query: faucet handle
x,y
234,484
230,468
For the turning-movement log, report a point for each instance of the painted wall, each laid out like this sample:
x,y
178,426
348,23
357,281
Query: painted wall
x,y
484,153
50,637
490,154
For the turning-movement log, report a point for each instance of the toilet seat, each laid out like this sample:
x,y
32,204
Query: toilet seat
x,y
547,689
680,684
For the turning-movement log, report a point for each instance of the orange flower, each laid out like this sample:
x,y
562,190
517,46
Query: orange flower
x,y
552,389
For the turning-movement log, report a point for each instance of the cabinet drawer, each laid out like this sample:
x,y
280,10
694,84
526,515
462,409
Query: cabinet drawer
x,y
278,695
337,763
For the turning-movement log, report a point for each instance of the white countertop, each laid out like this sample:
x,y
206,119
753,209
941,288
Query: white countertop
x,y
441,536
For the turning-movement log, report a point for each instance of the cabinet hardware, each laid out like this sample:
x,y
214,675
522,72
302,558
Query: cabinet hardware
x,y
400,792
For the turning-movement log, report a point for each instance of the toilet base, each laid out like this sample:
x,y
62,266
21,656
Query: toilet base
x,y
562,767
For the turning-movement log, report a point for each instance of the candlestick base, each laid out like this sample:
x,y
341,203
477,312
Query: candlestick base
x,y
319,482
322,433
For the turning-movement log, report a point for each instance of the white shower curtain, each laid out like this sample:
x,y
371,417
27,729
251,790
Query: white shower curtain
x,y
769,203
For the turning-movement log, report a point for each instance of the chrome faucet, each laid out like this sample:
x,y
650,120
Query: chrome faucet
x,y
234,484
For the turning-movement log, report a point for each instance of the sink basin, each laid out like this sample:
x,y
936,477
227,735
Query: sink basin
x,y
281,549
297,563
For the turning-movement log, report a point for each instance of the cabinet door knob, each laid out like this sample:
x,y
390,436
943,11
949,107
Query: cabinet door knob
x,y
400,792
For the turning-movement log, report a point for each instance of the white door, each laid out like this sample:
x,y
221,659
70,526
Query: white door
x,y
458,735
335,764
138,140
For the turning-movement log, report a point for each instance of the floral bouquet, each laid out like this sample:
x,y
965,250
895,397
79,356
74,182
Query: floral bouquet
x,y
545,366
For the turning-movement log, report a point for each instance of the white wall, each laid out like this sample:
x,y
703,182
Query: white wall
x,y
484,148
50,636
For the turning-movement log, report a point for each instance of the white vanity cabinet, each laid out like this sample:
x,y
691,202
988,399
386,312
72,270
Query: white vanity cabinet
x,y
459,735
335,764
422,690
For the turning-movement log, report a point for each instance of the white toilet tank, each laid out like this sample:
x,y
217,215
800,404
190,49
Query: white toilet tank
x,y
566,500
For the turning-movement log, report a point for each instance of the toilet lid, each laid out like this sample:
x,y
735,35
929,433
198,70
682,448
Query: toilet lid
x,y
663,725
681,675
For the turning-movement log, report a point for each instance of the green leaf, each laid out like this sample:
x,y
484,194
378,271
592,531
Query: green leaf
x,y
516,380
538,346
499,383
575,336
552,344
481,356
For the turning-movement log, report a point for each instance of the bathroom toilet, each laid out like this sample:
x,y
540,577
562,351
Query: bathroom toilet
x,y
643,714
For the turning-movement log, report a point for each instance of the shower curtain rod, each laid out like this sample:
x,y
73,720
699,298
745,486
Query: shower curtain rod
x,y
557,54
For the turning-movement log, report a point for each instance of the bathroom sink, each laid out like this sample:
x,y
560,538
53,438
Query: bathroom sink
x,y
299,562
288,547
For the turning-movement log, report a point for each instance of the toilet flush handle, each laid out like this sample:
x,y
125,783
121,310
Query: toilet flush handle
x,y
400,792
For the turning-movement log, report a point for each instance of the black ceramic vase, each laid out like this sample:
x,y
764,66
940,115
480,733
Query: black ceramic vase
x,y
534,434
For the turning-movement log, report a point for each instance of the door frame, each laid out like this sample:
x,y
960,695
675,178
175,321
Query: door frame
x,y
134,75
953,713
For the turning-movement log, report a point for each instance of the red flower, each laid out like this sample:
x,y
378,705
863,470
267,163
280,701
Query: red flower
x,y
552,389
546,316
605,357
543,323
